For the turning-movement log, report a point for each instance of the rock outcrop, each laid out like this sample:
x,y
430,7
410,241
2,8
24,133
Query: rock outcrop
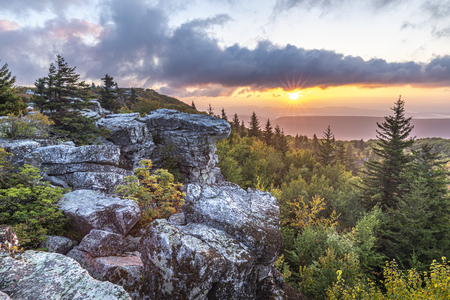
x,y
87,210
227,249
41,275
222,246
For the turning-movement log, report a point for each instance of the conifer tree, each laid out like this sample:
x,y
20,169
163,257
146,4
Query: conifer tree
x,y
383,181
315,142
326,154
108,94
242,129
210,110
63,98
9,101
133,98
254,128
235,125
224,115
193,105
268,133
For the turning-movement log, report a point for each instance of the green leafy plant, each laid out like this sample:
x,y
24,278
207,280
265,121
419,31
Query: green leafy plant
x,y
34,125
156,193
28,205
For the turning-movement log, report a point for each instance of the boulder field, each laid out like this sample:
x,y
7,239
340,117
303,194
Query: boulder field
x,y
222,246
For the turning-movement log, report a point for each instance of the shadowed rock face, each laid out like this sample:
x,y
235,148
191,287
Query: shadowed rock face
x,y
42,276
58,244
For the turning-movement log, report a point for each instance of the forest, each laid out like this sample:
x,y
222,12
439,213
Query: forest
x,y
360,219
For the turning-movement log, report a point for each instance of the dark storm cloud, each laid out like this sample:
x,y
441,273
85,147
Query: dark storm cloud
x,y
134,43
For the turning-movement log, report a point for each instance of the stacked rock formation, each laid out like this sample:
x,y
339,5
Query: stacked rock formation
x,y
223,245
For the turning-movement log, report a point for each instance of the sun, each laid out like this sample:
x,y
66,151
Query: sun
x,y
295,95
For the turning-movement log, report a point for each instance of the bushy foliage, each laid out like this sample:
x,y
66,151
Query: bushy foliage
x,y
28,205
398,284
33,125
155,192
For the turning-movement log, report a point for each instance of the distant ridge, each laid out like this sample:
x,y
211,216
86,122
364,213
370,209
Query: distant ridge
x,y
357,127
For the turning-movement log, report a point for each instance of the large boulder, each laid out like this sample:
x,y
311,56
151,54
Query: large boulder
x,y
87,210
39,275
252,216
96,167
126,270
190,139
178,265
19,149
102,243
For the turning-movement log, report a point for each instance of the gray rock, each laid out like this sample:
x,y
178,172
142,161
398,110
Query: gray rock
x,y
177,219
87,210
240,280
40,275
8,237
3,296
19,149
132,243
125,271
252,217
62,154
102,243
58,244
178,265
55,181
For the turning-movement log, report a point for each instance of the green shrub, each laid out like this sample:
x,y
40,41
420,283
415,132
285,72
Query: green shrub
x,y
29,205
34,125
398,284
156,193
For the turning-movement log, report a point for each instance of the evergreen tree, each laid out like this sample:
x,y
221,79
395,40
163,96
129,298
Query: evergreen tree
x,y
326,154
297,142
63,98
9,101
242,129
268,133
254,128
93,86
193,105
315,143
108,94
383,182
133,98
210,110
417,230
224,115
235,124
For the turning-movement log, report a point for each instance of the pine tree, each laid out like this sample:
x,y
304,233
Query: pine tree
x,y
133,98
326,154
254,129
193,105
108,94
9,101
235,124
210,110
242,129
417,230
268,133
224,115
383,182
64,96
315,143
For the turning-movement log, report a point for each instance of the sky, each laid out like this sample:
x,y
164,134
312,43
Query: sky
x,y
228,53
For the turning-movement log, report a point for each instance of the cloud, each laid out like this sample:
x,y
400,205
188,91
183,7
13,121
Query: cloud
x,y
437,9
135,44
25,6
6,25
329,5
